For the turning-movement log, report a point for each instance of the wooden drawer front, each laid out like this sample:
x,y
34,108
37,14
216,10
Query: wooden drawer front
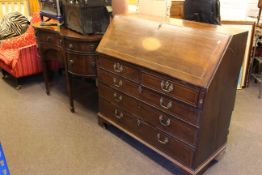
x,y
170,106
169,124
118,83
117,115
152,136
49,37
119,99
118,68
80,46
165,143
169,87
81,64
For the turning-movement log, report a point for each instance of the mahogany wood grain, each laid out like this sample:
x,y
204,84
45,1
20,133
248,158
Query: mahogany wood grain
x,y
170,87
118,83
119,67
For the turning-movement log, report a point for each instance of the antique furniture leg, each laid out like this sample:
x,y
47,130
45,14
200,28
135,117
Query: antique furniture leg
x,y
45,73
101,122
70,92
4,74
18,84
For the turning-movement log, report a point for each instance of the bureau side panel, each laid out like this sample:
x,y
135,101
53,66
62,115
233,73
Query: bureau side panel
x,y
219,101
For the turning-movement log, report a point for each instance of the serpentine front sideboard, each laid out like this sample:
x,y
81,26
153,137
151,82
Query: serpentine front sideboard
x,y
75,51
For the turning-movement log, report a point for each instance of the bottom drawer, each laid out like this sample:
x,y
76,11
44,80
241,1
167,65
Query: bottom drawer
x,y
153,136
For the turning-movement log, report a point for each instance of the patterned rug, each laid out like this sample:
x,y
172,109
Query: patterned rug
x,y
3,165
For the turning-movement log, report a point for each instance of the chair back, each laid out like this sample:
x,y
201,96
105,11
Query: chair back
x,y
7,6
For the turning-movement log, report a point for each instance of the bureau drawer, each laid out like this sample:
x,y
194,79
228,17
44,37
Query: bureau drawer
x,y
128,103
171,106
117,115
118,83
169,124
154,137
181,92
119,68
81,64
50,37
80,46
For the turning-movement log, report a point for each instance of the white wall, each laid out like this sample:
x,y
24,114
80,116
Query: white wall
x,y
238,9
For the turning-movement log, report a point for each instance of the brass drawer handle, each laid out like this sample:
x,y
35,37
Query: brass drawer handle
x,y
118,98
70,46
163,141
167,86
163,121
118,67
117,84
48,39
71,62
168,106
118,114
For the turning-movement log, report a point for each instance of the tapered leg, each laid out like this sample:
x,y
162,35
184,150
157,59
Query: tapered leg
x,y
45,74
18,84
260,88
70,91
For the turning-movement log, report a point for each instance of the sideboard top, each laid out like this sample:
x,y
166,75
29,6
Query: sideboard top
x,y
186,50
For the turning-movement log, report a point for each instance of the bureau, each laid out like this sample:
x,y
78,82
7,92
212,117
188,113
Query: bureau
x,y
76,52
170,85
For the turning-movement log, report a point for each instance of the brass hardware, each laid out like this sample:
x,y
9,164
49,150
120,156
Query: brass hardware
x,y
167,86
118,67
70,46
117,97
138,122
164,122
168,106
118,114
117,84
71,62
162,141
140,90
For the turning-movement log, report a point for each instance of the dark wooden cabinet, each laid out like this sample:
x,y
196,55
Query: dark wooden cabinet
x,y
75,51
170,86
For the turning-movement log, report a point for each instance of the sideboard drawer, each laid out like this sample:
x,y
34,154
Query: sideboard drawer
x,y
171,106
49,37
119,68
118,83
119,99
170,87
169,124
81,64
78,46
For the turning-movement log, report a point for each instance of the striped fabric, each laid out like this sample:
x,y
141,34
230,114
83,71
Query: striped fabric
x,y
13,24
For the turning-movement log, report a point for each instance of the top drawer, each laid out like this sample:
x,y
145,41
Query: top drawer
x,y
119,68
171,88
80,46
49,37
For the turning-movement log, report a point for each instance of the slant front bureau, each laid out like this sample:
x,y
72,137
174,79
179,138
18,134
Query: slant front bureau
x,y
170,86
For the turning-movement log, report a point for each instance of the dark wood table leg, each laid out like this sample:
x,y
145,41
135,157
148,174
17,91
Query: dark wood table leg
x,y
45,74
70,91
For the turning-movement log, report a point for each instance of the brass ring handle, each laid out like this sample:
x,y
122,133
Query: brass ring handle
x,y
168,106
118,115
70,45
118,67
117,84
48,39
162,141
167,86
117,97
71,62
164,122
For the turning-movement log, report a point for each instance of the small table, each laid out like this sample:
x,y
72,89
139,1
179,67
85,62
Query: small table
x,y
75,51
